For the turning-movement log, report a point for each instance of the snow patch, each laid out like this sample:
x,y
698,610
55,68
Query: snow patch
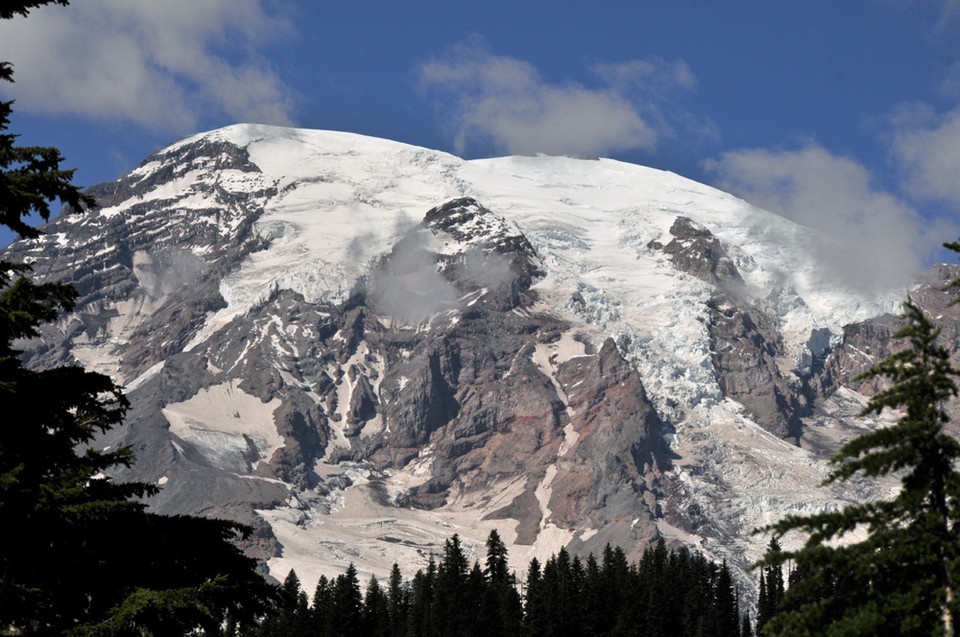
x,y
320,539
144,377
231,428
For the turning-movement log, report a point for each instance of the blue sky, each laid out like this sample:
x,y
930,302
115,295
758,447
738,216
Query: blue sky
x,y
842,115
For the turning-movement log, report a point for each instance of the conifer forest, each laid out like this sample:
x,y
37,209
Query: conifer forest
x,y
665,593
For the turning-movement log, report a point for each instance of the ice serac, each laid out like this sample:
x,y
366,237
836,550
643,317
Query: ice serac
x,y
746,342
361,347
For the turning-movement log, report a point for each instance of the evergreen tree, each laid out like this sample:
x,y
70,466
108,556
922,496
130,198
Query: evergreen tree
x,y
321,608
475,622
291,589
653,571
293,618
502,611
698,602
346,619
10,9
81,552
771,586
595,605
453,607
376,611
763,604
496,565
901,578
30,176
397,602
560,588
563,599
725,600
421,615
618,585
676,583
535,609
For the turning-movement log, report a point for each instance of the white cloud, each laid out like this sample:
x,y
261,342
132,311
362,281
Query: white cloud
x,y
164,65
664,75
504,102
869,236
927,148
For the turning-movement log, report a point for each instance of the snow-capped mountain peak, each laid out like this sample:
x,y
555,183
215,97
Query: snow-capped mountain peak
x,y
362,347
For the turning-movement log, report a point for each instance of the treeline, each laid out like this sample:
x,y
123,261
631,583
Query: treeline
x,y
673,593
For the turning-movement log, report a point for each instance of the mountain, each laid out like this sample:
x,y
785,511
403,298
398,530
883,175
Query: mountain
x,y
361,347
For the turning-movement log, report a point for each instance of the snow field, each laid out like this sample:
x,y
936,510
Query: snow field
x,y
224,422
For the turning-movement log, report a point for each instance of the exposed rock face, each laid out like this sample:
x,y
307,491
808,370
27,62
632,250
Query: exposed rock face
x,y
747,348
149,274
615,458
863,346
474,228
696,251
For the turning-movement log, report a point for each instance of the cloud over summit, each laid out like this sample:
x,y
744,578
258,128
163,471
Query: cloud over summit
x,y
505,103
162,65
871,237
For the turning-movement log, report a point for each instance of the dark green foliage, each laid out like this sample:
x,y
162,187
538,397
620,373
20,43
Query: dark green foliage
x,y
726,615
698,597
322,608
376,611
347,616
654,584
564,598
535,612
10,8
398,602
80,553
771,586
497,570
455,609
502,610
898,580
84,553
560,593
422,602
594,599
30,176
611,592
293,615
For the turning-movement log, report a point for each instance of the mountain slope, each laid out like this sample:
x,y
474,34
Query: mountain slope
x,y
362,347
